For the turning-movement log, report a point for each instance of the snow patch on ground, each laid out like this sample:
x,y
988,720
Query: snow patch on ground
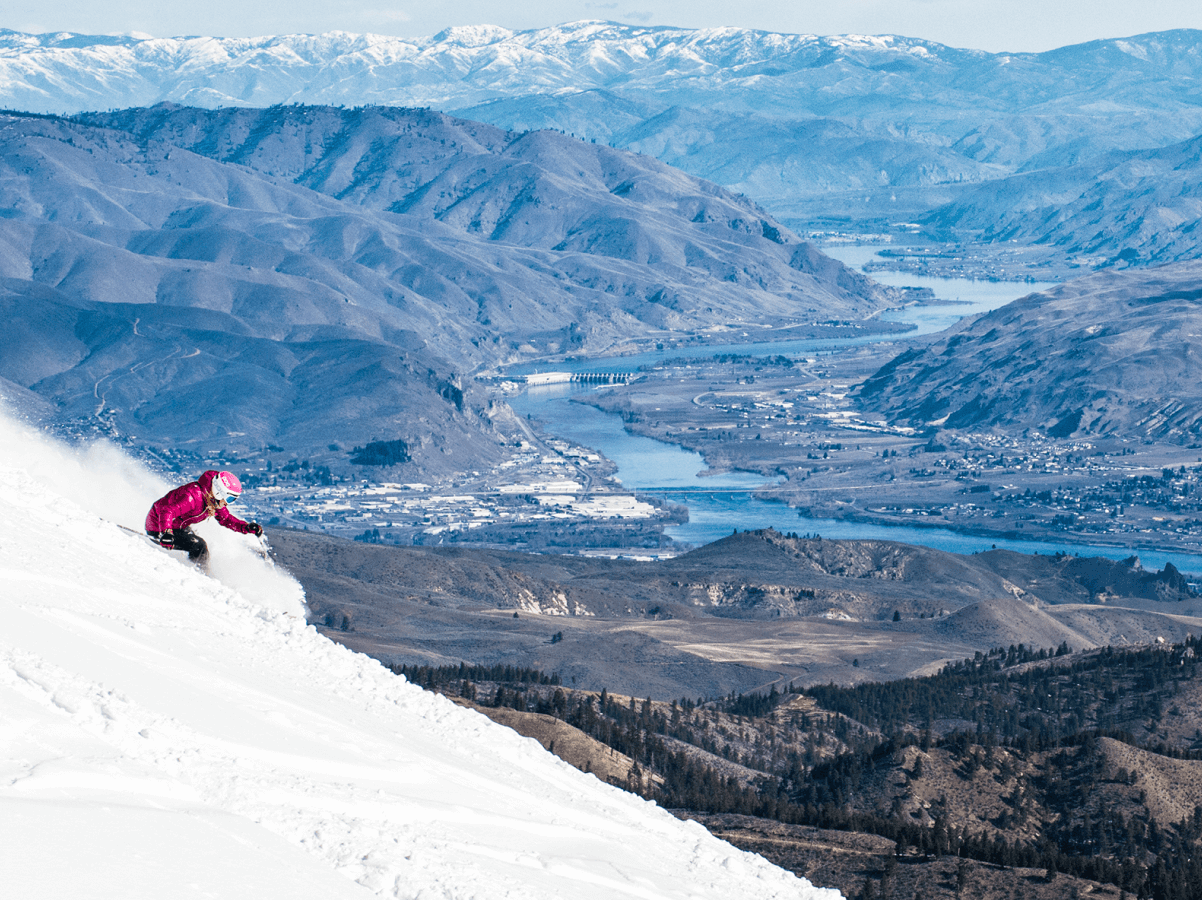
x,y
164,735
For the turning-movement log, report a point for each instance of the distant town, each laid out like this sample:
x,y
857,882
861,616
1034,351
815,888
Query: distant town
x,y
797,421
550,494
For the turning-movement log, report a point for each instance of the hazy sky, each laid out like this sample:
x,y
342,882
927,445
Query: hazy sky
x,y
1016,25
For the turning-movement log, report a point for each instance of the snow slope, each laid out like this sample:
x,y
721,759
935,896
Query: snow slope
x,y
162,735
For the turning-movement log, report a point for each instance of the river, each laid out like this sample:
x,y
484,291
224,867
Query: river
x,y
720,504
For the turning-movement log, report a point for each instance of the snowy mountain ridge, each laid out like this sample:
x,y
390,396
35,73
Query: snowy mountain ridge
x,y
163,735
472,64
463,65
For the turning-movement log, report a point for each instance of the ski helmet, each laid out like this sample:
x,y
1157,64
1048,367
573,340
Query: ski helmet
x,y
226,487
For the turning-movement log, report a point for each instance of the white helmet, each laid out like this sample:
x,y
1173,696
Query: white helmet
x,y
225,487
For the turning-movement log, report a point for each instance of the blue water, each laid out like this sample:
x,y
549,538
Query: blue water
x,y
955,299
644,464
720,504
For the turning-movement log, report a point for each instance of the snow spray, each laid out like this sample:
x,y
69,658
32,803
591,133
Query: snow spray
x,y
105,481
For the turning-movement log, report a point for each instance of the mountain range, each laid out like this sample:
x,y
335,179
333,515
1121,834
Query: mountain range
x,y
318,275
847,129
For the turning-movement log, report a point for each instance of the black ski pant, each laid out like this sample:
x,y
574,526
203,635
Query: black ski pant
x,y
183,539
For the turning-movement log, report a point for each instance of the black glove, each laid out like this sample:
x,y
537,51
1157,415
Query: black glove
x,y
255,528
165,539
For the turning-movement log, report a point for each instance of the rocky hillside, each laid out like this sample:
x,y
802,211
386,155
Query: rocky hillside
x,y
315,276
538,190
750,610
749,575
1113,354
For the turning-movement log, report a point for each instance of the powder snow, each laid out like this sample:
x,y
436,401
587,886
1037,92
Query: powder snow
x,y
168,734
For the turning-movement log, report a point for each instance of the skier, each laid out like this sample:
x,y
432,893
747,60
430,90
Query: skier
x,y
168,520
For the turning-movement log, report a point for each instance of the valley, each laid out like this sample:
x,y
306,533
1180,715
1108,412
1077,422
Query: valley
x,y
791,426
399,267
194,254
782,434
800,424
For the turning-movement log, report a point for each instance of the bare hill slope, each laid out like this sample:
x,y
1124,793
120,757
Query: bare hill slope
x,y
739,614
1115,354
1133,207
535,189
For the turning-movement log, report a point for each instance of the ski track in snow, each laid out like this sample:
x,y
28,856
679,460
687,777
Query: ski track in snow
x,y
161,736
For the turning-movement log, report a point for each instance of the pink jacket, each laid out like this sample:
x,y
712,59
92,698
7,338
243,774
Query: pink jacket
x,y
189,504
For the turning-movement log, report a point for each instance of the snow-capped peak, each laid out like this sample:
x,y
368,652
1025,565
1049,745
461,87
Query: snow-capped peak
x,y
472,35
452,69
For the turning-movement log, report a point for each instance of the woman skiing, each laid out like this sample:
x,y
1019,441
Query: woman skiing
x,y
168,520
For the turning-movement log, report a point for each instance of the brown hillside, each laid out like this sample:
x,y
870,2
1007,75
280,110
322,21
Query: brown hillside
x,y
570,744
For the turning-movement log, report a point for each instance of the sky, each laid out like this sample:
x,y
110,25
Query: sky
x,y
993,25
